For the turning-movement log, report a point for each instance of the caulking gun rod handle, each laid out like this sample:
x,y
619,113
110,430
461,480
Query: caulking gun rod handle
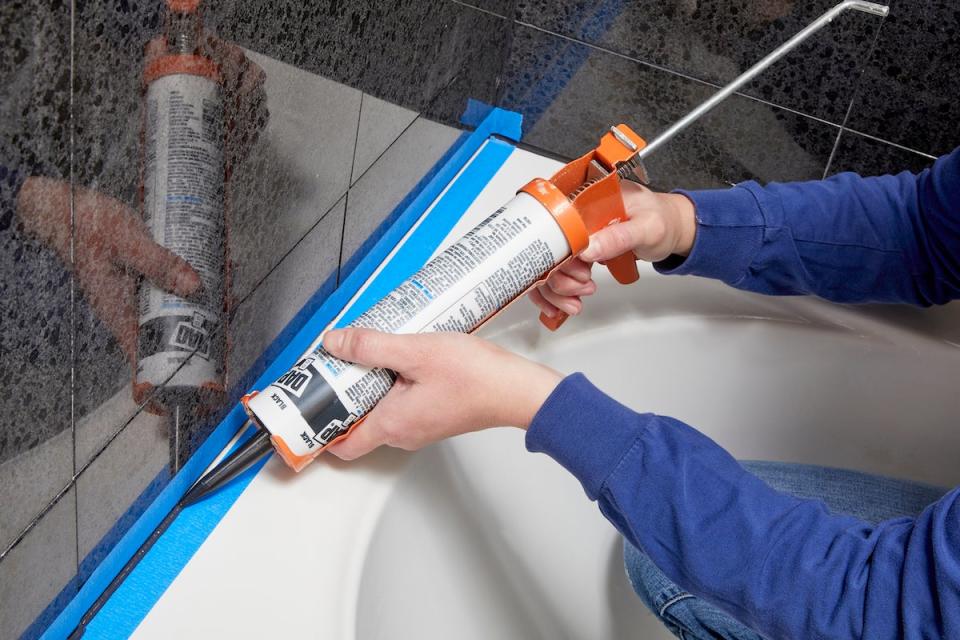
x,y
758,68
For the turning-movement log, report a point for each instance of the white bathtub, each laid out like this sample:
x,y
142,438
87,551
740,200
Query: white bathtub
x,y
476,538
480,539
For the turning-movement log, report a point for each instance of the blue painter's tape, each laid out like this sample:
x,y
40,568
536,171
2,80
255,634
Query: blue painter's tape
x,y
178,551
506,123
137,594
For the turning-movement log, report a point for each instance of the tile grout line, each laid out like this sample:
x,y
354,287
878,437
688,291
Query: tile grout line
x,y
853,98
296,244
346,196
73,300
356,140
481,10
691,78
700,81
891,143
646,63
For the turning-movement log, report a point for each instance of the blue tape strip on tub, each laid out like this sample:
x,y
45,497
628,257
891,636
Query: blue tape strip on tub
x,y
499,122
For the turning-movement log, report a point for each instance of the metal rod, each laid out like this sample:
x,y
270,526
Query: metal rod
x,y
758,68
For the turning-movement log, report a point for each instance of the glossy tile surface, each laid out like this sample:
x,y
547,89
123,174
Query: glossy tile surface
x,y
406,52
35,342
716,40
870,157
296,171
376,195
571,96
261,317
908,92
381,123
35,571
116,478
30,480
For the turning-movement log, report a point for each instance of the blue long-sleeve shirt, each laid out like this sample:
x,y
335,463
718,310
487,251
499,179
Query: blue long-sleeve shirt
x,y
785,566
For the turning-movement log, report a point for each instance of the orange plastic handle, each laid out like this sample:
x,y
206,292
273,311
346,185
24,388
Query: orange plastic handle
x,y
599,204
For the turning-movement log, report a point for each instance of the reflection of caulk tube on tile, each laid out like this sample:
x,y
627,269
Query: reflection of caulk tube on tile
x,y
321,399
180,351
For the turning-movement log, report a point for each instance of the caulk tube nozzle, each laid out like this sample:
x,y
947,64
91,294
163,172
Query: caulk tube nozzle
x,y
230,467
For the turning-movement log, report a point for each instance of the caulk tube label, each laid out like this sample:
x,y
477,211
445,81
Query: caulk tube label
x,y
321,396
183,208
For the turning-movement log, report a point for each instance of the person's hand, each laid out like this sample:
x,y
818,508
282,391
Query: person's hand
x,y
658,225
111,248
244,95
447,384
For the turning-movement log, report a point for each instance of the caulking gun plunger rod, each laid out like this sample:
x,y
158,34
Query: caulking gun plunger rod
x,y
259,445
747,76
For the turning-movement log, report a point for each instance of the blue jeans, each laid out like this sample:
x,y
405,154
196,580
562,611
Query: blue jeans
x,y
870,498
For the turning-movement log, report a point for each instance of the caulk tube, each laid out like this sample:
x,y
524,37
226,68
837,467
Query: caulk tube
x,y
322,397
179,348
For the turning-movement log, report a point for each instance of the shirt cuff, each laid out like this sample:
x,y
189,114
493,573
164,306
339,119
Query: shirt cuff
x,y
729,235
585,430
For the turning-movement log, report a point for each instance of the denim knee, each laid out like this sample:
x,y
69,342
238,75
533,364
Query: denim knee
x,y
685,615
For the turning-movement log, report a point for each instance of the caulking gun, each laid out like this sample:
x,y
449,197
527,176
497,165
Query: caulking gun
x,y
322,399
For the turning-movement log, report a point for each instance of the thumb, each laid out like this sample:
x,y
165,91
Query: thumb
x,y
361,441
613,241
372,348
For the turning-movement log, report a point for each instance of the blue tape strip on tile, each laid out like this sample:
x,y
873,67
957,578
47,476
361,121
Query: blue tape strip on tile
x,y
499,122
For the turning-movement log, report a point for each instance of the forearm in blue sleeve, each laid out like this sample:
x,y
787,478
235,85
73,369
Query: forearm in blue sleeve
x,y
782,565
890,238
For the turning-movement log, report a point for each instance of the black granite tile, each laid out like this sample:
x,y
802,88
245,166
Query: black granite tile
x,y
278,175
37,575
390,182
570,94
304,279
870,157
504,8
405,52
716,40
464,53
36,439
908,92
110,39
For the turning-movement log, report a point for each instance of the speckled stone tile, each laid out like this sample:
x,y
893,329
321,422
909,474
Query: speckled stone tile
x,y
296,171
38,569
109,486
570,94
406,52
717,40
110,40
408,161
36,443
908,93
30,480
260,318
505,8
869,157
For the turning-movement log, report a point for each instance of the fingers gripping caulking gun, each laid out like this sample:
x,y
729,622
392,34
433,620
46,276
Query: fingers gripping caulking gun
x,y
322,399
